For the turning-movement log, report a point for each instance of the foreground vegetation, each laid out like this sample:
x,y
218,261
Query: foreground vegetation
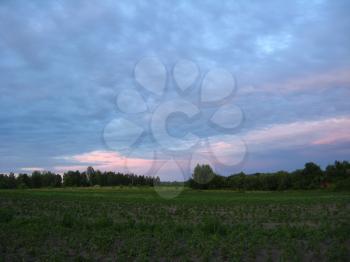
x,y
134,223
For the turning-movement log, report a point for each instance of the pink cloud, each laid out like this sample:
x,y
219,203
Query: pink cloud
x,y
273,137
326,131
99,157
32,169
343,135
64,168
321,80
107,161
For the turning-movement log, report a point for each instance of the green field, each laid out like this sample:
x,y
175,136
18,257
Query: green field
x,y
108,224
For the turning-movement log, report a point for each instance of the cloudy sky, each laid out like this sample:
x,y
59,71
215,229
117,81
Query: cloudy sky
x,y
64,66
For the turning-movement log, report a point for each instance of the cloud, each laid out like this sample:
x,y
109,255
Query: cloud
x,y
32,169
314,81
105,161
228,149
63,65
287,146
301,133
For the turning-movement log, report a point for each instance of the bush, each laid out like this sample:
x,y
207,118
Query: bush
x,y
342,185
22,186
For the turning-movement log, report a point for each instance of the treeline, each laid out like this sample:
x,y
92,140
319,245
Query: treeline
x,y
335,176
74,179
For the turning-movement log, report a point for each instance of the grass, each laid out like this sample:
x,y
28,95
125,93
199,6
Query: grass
x,y
121,224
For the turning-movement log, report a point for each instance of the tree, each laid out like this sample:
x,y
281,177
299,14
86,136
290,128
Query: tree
x,y
202,175
23,181
284,181
339,175
311,175
338,171
36,179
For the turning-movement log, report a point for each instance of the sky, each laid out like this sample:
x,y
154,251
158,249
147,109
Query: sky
x,y
75,88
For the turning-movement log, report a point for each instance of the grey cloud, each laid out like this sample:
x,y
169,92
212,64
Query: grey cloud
x,y
63,63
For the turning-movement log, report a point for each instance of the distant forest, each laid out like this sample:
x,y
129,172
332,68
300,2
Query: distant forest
x,y
335,176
